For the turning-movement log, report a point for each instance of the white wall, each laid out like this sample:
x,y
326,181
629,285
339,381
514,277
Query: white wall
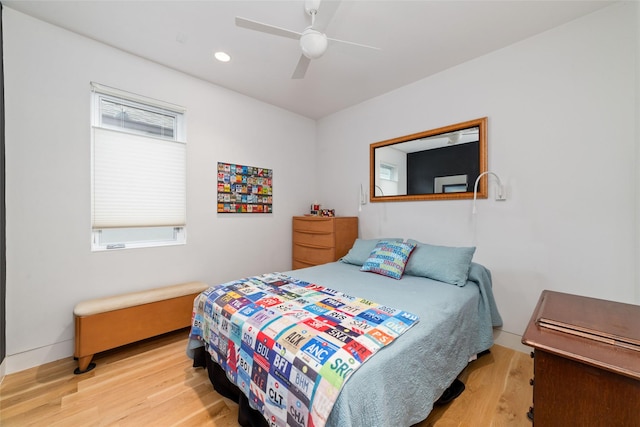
x,y
563,114
49,263
563,136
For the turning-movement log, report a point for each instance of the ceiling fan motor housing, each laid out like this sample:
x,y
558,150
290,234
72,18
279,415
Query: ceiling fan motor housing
x,y
313,43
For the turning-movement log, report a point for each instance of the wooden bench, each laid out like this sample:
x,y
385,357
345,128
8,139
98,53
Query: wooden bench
x,y
106,323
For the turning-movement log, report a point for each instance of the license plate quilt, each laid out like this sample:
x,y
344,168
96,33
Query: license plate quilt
x,y
290,345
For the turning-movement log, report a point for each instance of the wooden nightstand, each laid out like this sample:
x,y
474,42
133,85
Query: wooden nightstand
x,y
586,361
319,240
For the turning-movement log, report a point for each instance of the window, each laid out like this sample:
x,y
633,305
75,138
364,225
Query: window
x,y
138,171
388,172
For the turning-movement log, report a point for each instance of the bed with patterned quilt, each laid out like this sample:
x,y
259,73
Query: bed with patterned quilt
x,y
371,340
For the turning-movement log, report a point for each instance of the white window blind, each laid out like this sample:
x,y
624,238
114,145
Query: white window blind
x,y
138,181
138,171
388,172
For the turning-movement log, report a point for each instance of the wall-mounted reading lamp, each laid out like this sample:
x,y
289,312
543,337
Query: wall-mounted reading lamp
x,y
363,197
500,193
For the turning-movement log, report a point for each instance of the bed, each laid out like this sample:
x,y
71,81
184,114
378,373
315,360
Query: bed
x,y
399,384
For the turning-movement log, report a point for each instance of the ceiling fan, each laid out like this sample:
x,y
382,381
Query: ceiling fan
x,y
455,137
313,42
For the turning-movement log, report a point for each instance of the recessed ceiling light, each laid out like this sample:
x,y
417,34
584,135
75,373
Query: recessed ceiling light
x,y
222,56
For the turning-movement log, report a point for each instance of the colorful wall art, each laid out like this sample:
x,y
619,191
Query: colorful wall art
x,y
244,189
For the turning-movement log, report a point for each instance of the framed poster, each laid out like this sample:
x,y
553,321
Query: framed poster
x,y
244,189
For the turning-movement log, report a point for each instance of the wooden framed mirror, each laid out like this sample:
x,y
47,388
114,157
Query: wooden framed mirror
x,y
437,164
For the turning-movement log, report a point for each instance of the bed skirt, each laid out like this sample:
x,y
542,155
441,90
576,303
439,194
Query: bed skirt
x,y
247,416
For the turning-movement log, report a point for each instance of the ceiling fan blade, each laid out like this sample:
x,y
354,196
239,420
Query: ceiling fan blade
x,y
352,43
325,14
266,28
301,68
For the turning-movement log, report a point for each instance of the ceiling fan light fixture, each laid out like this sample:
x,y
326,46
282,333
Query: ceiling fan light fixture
x,y
313,43
454,138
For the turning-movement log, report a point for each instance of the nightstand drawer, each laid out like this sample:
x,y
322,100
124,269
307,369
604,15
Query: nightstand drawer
x,y
312,255
314,239
313,225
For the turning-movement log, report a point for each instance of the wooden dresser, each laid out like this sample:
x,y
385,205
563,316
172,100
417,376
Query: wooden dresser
x,y
586,361
319,240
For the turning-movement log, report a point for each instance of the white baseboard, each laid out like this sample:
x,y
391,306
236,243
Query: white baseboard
x,y
510,340
38,356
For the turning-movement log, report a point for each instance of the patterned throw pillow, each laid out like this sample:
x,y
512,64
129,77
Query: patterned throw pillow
x,y
388,258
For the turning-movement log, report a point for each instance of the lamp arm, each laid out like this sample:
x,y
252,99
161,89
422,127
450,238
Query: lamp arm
x,y
475,187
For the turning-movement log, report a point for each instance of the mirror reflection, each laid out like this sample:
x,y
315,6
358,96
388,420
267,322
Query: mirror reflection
x,y
436,164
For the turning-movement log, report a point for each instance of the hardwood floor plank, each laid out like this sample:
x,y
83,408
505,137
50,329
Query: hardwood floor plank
x,y
211,416
86,418
110,370
516,397
183,404
497,393
153,383
35,400
149,377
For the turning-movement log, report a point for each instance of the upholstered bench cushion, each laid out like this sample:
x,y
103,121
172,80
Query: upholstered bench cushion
x,y
117,302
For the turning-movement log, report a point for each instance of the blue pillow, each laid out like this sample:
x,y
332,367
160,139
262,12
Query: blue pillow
x,y
361,250
444,263
389,258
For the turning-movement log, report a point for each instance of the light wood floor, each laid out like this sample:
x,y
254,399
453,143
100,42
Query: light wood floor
x,y
152,383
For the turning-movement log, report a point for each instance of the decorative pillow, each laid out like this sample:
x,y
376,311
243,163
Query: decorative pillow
x,y
389,258
361,250
444,263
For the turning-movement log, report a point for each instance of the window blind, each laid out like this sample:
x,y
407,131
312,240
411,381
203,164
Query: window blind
x,y
107,90
138,181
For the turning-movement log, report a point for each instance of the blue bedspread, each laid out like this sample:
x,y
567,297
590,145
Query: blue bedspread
x,y
397,387
291,345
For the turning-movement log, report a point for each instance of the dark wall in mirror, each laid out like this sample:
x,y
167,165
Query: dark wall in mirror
x,y
437,164
423,167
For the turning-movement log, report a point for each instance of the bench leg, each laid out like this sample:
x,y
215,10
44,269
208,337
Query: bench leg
x,y
84,365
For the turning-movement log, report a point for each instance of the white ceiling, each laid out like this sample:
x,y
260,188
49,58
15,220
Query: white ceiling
x,y
416,39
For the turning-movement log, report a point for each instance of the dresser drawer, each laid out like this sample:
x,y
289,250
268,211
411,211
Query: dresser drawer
x,y
326,240
313,225
313,255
